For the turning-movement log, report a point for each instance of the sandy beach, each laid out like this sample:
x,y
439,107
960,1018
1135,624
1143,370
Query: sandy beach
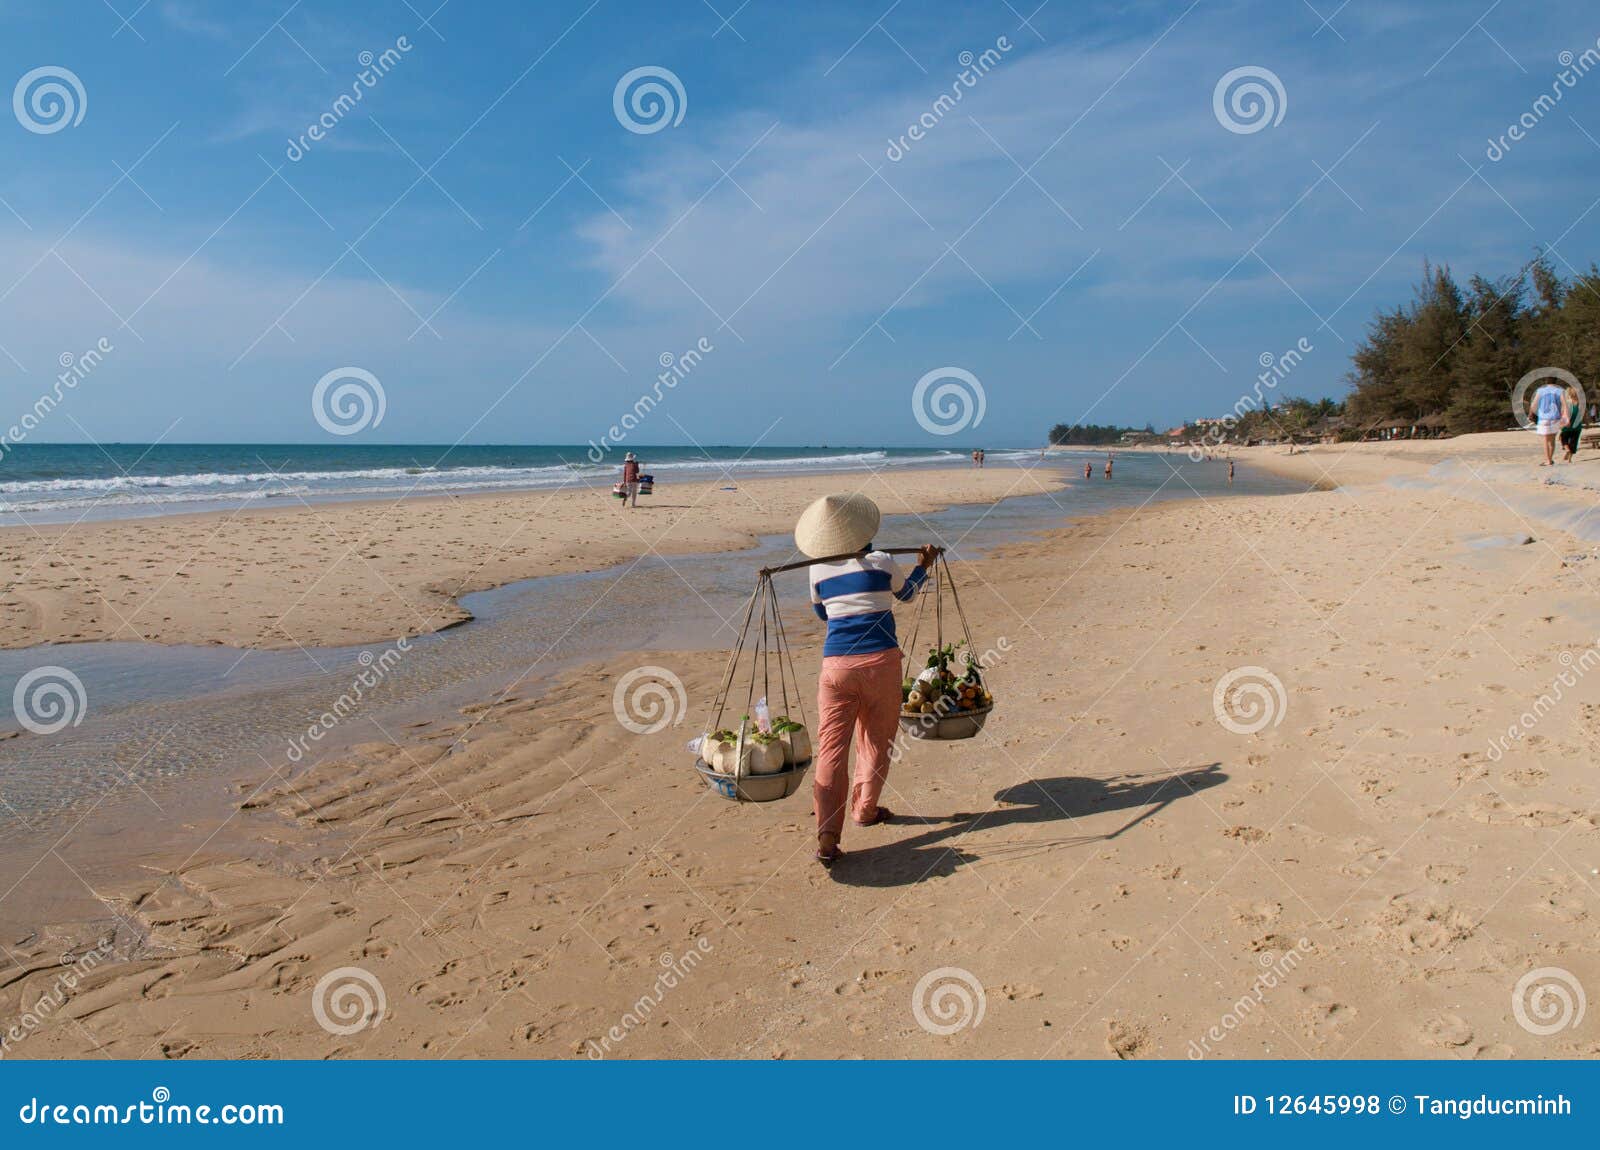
x,y
1119,866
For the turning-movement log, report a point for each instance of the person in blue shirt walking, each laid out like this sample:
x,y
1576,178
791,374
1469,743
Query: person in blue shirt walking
x,y
1549,408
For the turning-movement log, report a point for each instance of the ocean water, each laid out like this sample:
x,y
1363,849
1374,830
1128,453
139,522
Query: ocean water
x,y
57,482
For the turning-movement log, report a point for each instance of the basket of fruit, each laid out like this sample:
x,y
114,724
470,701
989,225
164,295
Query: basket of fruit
x,y
947,698
943,702
764,757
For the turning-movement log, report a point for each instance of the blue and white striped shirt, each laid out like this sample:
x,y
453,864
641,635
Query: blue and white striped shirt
x,y
856,598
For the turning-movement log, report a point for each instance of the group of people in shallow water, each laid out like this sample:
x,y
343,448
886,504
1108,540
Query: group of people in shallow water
x,y
1088,468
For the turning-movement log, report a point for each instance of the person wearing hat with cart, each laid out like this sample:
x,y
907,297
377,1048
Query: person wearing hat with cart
x,y
630,480
858,692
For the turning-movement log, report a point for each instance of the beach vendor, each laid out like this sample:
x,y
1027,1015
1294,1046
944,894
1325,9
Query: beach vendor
x,y
630,480
858,694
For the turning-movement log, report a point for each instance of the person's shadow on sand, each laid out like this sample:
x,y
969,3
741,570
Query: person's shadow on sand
x,y
933,853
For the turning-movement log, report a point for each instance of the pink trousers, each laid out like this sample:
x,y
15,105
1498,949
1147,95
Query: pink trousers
x,y
858,695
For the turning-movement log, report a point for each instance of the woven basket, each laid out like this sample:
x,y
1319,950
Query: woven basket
x,y
753,788
956,725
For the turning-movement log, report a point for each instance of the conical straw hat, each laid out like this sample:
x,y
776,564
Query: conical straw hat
x,y
836,525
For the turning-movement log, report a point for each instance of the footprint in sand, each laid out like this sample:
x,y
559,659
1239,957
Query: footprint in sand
x,y
1250,835
1422,926
1256,913
1325,1019
1446,1030
1126,1040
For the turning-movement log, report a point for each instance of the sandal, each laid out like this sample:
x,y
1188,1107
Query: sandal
x,y
828,858
884,815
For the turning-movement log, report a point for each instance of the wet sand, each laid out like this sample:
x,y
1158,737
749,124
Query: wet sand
x,y
1355,868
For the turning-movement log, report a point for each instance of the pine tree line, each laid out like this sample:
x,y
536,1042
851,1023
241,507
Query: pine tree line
x,y
1459,353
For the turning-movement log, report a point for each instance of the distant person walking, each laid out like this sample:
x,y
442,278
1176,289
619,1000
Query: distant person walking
x,y
1088,469
1230,472
1108,467
630,480
1572,430
1548,407
982,457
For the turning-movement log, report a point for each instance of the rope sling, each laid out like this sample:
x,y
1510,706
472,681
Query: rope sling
x,y
958,708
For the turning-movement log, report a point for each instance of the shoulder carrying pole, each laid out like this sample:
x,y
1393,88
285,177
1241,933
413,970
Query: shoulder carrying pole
x,y
840,558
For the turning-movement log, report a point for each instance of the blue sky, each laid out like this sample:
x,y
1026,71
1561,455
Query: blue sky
x,y
1036,236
